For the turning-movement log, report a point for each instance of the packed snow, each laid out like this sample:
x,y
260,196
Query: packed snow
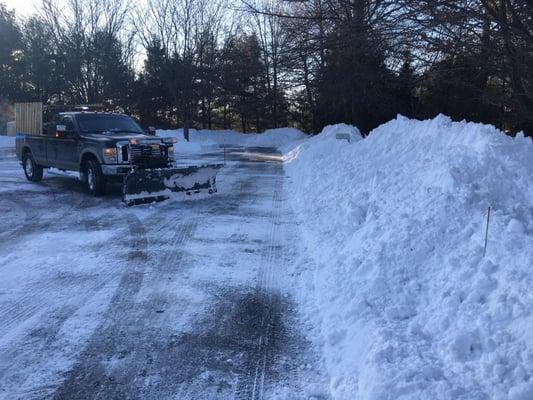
x,y
7,141
394,224
185,299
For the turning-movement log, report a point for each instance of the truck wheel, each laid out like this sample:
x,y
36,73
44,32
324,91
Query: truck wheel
x,y
96,181
32,170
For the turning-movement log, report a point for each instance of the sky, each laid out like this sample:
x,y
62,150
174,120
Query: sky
x,y
22,7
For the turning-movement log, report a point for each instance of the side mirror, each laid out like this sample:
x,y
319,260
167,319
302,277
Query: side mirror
x,y
151,131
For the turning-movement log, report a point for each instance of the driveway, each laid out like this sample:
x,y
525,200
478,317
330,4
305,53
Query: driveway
x,y
185,299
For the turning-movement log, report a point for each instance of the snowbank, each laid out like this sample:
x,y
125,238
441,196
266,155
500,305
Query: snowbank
x,y
327,140
408,307
205,137
275,137
331,131
199,139
196,143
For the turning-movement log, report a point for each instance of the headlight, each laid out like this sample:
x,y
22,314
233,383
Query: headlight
x,y
110,155
170,150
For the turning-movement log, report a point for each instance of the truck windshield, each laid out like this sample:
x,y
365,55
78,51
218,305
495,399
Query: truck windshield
x,y
111,123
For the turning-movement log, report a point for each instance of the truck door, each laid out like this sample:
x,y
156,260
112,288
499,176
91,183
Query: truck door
x,y
51,142
62,143
67,144
38,148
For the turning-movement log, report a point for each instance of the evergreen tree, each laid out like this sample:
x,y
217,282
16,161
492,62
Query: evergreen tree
x,y
43,72
12,82
355,86
243,82
152,98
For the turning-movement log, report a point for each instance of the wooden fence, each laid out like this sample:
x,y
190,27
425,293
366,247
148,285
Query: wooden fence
x,y
29,118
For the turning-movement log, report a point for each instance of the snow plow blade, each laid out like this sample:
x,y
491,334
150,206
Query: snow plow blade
x,y
147,185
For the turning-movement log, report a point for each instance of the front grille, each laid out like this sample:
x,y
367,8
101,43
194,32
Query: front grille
x,y
146,155
124,153
144,150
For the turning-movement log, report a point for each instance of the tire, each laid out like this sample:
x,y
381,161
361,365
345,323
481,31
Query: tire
x,y
95,180
32,170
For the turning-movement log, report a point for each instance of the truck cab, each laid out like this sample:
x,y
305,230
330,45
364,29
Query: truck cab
x,y
102,146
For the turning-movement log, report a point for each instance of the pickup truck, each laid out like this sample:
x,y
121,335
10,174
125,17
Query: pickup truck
x,y
101,146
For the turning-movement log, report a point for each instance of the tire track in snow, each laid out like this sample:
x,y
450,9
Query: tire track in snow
x,y
125,336
34,304
251,384
34,298
134,353
8,200
60,205
281,362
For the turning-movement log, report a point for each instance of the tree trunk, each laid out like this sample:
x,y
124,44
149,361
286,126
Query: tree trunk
x,y
275,99
204,113
209,115
309,94
186,124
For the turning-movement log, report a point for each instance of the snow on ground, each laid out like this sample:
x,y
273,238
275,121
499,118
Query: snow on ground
x,y
7,141
395,224
185,299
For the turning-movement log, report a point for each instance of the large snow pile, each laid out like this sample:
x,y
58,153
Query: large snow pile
x,y
395,223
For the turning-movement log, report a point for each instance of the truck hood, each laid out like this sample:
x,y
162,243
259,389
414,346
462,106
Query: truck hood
x,y
117,137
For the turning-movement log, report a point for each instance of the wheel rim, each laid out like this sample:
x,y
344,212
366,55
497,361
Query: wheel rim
x,y
28,166
90,179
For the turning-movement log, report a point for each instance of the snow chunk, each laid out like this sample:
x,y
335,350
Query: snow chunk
x,y
515,226
523,391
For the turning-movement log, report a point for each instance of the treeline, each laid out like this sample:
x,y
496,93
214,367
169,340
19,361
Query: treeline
x,y
255,64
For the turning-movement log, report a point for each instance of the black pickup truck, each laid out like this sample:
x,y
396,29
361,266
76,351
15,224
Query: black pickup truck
x,y
101,146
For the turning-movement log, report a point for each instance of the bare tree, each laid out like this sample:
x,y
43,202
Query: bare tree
x,y
273,40
92,43
186,30
496,37
514,20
